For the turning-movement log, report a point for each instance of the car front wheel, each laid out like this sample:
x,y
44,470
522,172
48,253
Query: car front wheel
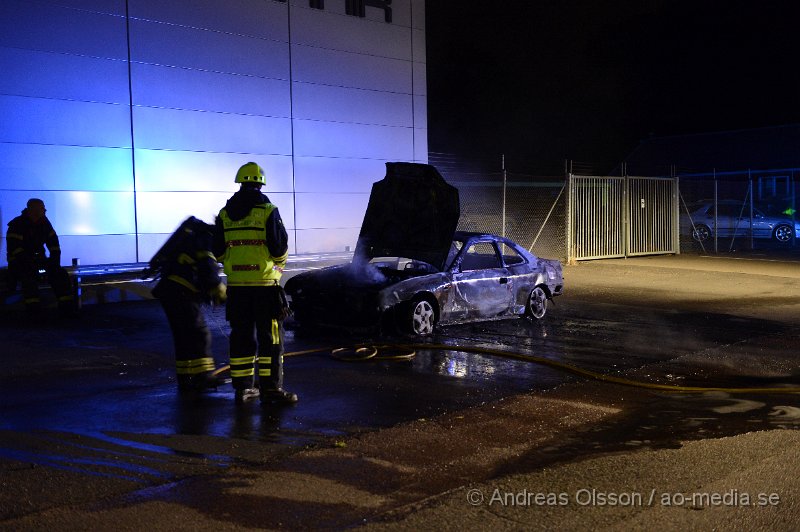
x,y
420,317
537,303
783,233
701,233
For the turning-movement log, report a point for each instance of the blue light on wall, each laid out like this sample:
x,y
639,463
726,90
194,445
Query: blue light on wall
x,y
126,117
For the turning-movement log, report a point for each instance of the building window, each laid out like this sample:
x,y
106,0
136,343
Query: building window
x,y
358,8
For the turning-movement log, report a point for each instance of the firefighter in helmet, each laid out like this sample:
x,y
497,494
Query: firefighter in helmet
x,y
27,236
251,242
188,276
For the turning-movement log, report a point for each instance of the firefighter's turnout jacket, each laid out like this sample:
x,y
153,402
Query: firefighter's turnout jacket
x,y
251,240
25,252
185,264
252,243
188,275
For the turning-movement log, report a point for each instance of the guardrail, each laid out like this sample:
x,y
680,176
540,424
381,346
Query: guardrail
x,y
111,283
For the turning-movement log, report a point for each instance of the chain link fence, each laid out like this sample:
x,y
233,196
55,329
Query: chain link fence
x,y
719,212
530,210
739,211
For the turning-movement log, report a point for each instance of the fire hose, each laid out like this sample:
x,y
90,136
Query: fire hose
x,y
401,352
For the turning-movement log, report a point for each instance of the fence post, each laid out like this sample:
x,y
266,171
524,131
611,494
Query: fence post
x,y
794,211
568,201
503,164
676,211
716,207
750,192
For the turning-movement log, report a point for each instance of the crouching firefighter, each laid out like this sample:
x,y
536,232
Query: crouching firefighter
x,y
188,276
251,241
27,236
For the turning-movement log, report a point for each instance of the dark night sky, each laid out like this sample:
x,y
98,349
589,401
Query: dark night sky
x,y
544,81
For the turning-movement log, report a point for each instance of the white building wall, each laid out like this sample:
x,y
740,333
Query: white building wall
x,y
126,117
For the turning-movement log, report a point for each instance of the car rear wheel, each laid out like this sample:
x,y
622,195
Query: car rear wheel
x,y
537,303
701,233
783,233
420,317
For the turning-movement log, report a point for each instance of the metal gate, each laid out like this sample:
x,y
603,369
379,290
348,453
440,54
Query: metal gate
x,y
612,217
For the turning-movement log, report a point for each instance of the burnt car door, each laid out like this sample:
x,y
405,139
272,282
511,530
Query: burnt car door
x,y
480,287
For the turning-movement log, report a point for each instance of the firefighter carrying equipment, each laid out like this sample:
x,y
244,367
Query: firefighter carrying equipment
x,y
188,276
251,173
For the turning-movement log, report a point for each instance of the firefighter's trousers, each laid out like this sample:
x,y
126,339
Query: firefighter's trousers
x,y
256,342
27,274
192,339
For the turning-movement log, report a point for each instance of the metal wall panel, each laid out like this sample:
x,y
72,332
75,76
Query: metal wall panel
x,y
98,249
326,29
348,69
159,211
76,168
60,76
79,212
215,132
265,19
316,174
50,28
201,90
337,211
171,171
210,89
329,139
326,240
338,104
171,45
73,123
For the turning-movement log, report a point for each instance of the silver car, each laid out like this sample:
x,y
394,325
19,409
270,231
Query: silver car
x,y
733,220
411,271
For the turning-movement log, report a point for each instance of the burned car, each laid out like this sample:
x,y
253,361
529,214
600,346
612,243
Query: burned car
x,y
411,270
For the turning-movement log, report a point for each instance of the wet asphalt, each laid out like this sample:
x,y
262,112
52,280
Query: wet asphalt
x,y
111,370
90,404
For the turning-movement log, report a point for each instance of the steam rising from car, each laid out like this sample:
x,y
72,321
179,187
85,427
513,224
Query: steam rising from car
x,y
365,272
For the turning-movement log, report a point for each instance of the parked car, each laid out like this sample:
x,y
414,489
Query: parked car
x,y
412,271
733,219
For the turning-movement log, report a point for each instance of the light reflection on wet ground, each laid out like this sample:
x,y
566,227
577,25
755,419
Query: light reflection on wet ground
x,y
131,394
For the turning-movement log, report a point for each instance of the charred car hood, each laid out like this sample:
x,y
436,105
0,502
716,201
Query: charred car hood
x,y
412,212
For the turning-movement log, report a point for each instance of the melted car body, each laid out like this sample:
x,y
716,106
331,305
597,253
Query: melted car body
x,y
411,270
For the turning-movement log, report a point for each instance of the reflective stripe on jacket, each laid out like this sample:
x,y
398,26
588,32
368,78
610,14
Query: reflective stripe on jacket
x,y
247,259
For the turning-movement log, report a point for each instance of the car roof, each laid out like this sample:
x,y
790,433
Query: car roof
x,y
468,235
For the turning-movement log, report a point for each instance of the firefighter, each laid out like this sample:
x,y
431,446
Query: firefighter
x,y
188,276
252,243
27,236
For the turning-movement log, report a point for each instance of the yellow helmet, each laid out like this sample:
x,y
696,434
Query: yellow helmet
x,y
251,173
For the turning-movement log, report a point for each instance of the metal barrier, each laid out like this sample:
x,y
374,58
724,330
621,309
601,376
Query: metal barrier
x,y
653,216
613,217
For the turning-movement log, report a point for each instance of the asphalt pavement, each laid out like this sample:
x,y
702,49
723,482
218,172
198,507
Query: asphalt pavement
x,y
93,436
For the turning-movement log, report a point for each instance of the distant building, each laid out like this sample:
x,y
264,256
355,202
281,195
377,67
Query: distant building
x,y
127,116
769,156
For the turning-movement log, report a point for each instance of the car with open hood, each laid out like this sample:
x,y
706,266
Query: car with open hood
x,y
411,269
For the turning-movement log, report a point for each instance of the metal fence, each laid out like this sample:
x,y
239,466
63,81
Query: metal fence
x,y
621,217
533,211
643,215
528,209
734,211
